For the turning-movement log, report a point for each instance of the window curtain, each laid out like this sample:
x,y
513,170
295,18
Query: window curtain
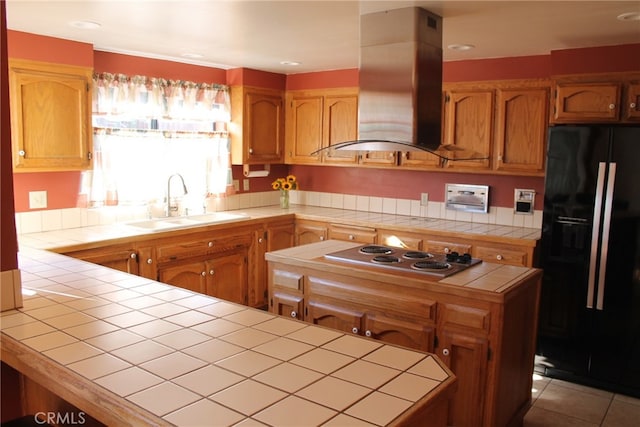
x,y
146,129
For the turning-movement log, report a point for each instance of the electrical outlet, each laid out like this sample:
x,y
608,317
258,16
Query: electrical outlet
x,y
236,184
245,185
37,199
424,199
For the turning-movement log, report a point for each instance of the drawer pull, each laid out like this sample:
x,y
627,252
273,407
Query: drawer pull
x,y
612,106
321,238
133,256
351,237
447,250
355,330
368,333
204,273
632,105
149,261
499,257
210,244
294,314
212,272
445,351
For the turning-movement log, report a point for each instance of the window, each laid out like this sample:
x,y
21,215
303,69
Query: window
x,y
147,129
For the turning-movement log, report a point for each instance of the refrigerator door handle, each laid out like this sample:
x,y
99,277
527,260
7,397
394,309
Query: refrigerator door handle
x,y
595,234
606,226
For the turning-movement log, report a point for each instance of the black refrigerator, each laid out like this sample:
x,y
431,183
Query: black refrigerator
x,y
589,330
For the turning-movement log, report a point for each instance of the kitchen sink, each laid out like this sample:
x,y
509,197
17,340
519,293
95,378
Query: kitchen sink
x,y
162,224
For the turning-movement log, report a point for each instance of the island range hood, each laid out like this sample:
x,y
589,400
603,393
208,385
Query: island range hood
x,y
400,97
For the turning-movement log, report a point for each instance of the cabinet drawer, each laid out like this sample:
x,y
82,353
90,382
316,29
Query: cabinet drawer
x,y
193,248
389,238
288,279
353,233
468,317
502,256
442,247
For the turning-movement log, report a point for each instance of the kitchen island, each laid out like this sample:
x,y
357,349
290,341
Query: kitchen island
x,y
111,348
481,321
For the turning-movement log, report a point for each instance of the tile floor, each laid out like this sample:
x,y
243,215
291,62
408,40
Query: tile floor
x,y
558,403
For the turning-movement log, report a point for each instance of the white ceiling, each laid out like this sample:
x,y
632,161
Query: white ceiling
x,y
322,35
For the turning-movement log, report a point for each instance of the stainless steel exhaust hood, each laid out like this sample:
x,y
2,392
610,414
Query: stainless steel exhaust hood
x,y
400,99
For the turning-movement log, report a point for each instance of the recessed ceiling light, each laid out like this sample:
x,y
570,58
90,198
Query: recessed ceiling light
x,y
85,25
192,55
629,16
292,63
460,47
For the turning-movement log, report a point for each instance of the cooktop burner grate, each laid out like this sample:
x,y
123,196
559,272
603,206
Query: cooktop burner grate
x,y
385,259
375,249
416,255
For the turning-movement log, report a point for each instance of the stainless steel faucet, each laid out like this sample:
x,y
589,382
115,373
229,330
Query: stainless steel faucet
x,y
184,189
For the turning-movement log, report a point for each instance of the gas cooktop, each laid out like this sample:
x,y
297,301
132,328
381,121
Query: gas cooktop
x,y
385,257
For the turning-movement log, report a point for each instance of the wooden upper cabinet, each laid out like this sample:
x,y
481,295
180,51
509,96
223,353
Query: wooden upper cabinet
x,y
468,118
50,116
317,119
580,102
257,132
631,109
521,129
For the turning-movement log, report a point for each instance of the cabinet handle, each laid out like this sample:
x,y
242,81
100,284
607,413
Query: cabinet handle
x,y
212,272
351,237
499,257
260,240
321,237
204,273
21,153
250,150
133,256
294,314
447,250
355,330
632,105
612,106
149,261
368,333
445,351
210,244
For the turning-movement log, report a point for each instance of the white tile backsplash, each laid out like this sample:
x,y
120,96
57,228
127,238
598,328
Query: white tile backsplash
x,y
57,219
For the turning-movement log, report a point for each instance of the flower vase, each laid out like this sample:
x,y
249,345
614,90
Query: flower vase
x,y
284,199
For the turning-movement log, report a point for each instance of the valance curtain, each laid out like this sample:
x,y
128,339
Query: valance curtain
x,y
146,129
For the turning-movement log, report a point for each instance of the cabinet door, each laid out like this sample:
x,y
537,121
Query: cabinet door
x,y
442,247
147,262
280,236
264,126
416,335
467,356
191,276
340,124
586,102
334,316
50,116
468,118
352,233
228,277
310,233
522,123
419,159
287,304
123,260
304,128
632,107
400,240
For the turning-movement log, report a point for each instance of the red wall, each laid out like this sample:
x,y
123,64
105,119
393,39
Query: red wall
x,y
388,183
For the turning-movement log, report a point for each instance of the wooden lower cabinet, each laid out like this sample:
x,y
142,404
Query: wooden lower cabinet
x,y
310,232
122,258
487,341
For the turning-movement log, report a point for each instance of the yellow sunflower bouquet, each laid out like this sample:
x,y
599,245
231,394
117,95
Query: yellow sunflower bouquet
x,y
284,185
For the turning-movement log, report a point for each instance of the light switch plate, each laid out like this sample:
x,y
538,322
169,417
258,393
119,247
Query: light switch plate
x,y
424,199
37,199
245,185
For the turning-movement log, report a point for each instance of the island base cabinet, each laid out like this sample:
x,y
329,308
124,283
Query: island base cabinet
x,y
288,304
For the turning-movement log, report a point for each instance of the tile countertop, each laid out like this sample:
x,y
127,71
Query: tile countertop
x,y
76,236
139,352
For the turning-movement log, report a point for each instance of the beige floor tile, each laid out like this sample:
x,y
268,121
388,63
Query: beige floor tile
x,y
248,363
315,336
395,357
91,329
283,348
288,377
50,311
182,338
342,420
621,413
250,422
128,381
366,373
15,318
352,346
410,387
539,417
429,368
221,308
120,295
172,365
196,301
280,326
217,327
28,330
538,386
173,294
49,341
151,288
189,318
72,352
294,411
142,351
334,393
204,413
98,366
208,380
141,302
114,340
322,360
87,303
107,310
584,405
154,328
378,408
248,338
249,317
164,398
213,350
235,397
163,310
69,320
129,319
